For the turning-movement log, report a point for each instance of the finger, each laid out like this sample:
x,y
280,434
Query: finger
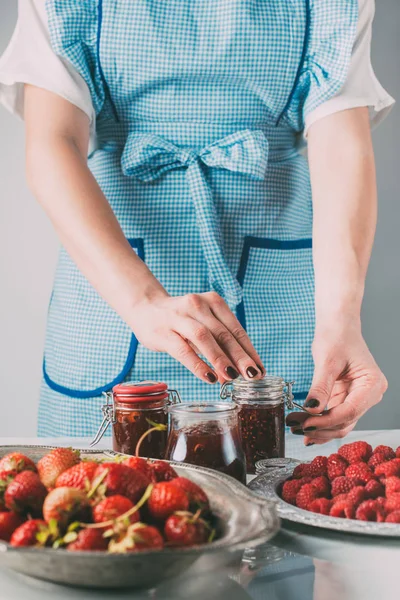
x,y
198,334
325,375
179,349
327,435
242,362
222,312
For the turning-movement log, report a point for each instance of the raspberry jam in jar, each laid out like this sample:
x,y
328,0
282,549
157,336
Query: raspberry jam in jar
x,y
207,435
138,413
261,416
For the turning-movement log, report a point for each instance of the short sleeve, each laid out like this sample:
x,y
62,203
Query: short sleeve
x,y
361,87
30,59
73,28
330,37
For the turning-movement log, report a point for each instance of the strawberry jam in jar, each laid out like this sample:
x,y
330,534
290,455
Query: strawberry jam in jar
x,y
138,413
207,435
261,406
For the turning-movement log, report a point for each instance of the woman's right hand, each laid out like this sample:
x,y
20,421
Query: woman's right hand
x,y
197,324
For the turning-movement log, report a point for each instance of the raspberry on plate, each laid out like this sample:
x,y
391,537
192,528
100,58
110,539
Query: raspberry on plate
x,y
387,451
318,466
322,484
291,487
306,495
342,485
359,471
321,506
374,489
392,485
337,466
370,510
388,469
357,495
392,503
393,517
398,452
356,452
377,459
300,471
344,509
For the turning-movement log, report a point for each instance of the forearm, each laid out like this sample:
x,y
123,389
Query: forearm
x,y
345,208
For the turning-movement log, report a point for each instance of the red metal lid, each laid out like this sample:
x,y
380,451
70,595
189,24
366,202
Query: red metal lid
x,y
141,391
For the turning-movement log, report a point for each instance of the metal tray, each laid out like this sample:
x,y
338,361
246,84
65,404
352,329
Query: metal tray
x,y
246,521
268,483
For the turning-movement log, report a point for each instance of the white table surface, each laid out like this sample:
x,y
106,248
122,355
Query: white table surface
x,y
363,554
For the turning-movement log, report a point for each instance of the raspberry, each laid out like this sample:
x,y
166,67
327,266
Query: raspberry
x,y
394,517
339,498
392,503
356,452
306,495
300,471
387,451
318,466
322,484
377,459
359,471
343,509
392,485
398,452
357,495
290,489
374,489
337,466
342,485
388,469
321,506
370,510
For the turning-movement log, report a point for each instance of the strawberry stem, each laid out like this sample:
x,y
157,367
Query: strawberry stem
x,y
156,427
97,483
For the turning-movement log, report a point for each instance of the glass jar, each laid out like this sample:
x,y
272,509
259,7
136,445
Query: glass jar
x,y
261,416
138,413
207,435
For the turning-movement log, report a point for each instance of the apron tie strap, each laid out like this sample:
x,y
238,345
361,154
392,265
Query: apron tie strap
x,y
147,157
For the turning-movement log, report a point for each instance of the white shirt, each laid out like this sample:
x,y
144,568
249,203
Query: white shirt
x,y
29,58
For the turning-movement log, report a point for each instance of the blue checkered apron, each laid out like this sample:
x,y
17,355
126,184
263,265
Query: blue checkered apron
x,y
199,105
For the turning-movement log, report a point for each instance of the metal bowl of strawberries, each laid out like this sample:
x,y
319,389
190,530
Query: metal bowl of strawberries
x,y
103,520
356,490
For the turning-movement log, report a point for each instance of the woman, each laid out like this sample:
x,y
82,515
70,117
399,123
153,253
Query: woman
x,y
193,219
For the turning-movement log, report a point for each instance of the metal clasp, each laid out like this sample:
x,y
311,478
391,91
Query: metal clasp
x,y
175,397
108,411
226,393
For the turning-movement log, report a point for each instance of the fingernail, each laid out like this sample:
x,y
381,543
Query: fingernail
x,y
260,369
298,432
211,377
310,444
312,403
252,372
232,373
310,429
292,423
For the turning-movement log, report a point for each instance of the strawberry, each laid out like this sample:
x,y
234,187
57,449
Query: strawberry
x,y
321,506
370,510
197,497
392,485
344,509
65,505
342,485
136,538
374,489
139,464
388,469
56,462
79,476
111,508
118,479
183,529
87,539
162,471
291,487
166,499
387,451
306,495
376,459
356,452
336,467
393,517
6,477
9,521
15,461
392,503
322,485
27,533
359,471
26,494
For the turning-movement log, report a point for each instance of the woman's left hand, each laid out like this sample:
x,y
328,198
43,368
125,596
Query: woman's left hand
x,y
347,383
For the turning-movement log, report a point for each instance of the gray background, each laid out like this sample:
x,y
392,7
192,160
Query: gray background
x,y
29,251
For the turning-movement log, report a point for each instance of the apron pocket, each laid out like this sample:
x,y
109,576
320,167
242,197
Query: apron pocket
x,y
89,349
278,306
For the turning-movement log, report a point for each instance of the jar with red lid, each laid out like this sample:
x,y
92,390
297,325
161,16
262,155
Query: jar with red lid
x,y
138,413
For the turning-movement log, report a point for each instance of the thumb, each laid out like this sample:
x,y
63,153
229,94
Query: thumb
x,y
326,373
